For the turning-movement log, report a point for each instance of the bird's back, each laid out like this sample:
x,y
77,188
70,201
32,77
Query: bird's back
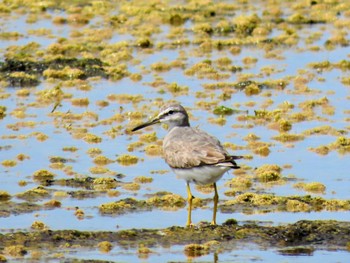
x,y
187,147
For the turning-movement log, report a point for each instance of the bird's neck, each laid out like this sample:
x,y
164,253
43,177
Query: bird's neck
x,y
172,125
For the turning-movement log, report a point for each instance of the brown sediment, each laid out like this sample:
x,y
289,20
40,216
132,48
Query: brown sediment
x,y
319,234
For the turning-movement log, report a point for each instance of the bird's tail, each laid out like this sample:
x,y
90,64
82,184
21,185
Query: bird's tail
x,y
234,164
230,161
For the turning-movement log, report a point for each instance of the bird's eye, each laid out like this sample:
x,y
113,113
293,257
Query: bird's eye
x,y
170,112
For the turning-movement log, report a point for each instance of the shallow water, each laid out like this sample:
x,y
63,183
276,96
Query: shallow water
x,y
332,170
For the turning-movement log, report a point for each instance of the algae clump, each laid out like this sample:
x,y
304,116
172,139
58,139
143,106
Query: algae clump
x,y
268,173
127,159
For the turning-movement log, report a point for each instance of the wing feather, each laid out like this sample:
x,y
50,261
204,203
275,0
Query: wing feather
x,y
186,147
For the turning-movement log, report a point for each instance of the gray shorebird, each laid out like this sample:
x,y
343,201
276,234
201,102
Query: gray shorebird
x,y
191,153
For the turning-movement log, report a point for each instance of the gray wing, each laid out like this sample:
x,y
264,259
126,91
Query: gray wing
x,y
185,147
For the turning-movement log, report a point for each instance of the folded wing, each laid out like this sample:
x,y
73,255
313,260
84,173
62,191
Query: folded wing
x,y
186,147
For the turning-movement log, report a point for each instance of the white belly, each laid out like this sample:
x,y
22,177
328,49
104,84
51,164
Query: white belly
x,y
201,175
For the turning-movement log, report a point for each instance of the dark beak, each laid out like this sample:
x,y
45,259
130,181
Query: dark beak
x,y
146,124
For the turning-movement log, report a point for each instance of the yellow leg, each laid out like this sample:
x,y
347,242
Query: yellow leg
x,y
216,200
189,198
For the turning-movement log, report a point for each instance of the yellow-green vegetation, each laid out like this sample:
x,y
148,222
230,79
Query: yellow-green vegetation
x,y
99,170
38,225
143,251
288,137
131,186
153,150
2,111
322,130
105,183
196,250
41,137
313,187
285,203
143,179
22,79
161,200
177,89
167,201
120,206
43,174
322,150
133,145
113,193
37,193
60,194
105,246
22,157
15,250
23,92
66,73
297,206
80,102
148,137
92,138
9,163
102,160
57,165
222,110
221,120
127,159
225,44
53,203
261,148
239,183
252,89
284,125
125,98
79,213
94,151
4,196
268,173
341,144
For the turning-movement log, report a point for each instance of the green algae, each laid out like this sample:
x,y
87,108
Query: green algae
x,y
131,186
313,187
105,246
122,206
341,145
105,183
2,112
43,175
26,72
127,159
164,201
319,234
204,17
34,194
14,208
38,225
222,110
86,182
15,250
92,138
4,196
268,173
196,250
288,137
9,163
143,179
268,202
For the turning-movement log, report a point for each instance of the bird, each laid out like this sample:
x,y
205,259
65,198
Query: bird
x,y
193,154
